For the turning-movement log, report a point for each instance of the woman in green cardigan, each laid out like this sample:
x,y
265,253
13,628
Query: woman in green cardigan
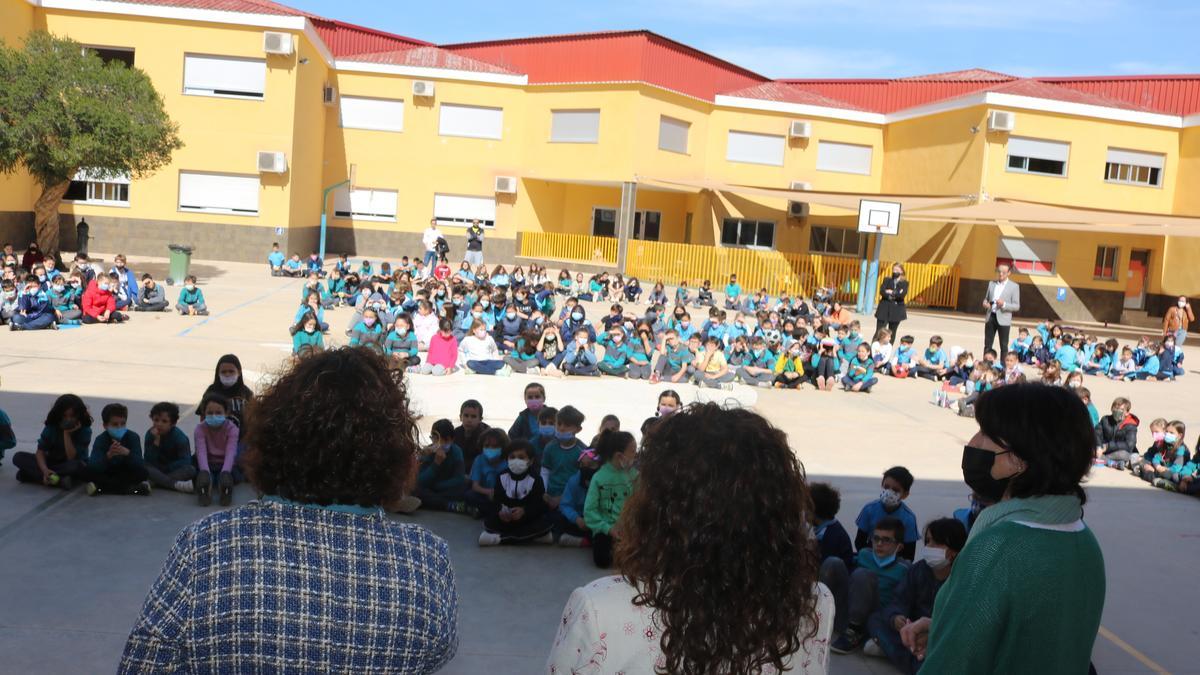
x,y
1027,591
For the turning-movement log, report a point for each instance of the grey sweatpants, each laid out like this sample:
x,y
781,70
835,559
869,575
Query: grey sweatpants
x,y
168,479
855,595
713,381
638,371
755,380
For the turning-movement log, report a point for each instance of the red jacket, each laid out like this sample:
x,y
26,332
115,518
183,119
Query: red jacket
x,y
96,301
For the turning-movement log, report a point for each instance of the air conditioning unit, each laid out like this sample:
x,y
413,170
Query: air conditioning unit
x,y
422,88
797,209
800,129
1001,120
329,94
800,185
271,162
277,43
506,185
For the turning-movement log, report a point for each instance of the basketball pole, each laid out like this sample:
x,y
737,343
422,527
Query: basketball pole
x,y
325,207
873,274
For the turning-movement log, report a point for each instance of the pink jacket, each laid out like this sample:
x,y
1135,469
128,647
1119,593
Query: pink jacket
x,y
215,445
442,351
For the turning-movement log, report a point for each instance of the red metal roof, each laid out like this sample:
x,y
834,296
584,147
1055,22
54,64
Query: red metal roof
x,y
430,57
345,39
779,91
614,56
1170,94
243,6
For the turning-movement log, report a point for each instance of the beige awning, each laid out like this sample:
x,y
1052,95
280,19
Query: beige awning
x,y
839,200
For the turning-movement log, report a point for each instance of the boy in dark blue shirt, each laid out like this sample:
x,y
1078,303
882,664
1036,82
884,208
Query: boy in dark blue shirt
x,y
168,457
115,464
896,483
831,536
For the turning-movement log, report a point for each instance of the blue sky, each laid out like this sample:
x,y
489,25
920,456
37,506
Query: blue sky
x,y
838,38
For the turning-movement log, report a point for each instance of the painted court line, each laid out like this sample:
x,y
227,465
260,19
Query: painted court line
x,y
235,308
24,518
1130,650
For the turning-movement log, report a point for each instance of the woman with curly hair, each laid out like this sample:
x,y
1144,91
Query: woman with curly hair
x,y
717,576
313,577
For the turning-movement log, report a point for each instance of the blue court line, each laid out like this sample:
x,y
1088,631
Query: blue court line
x,y
235,308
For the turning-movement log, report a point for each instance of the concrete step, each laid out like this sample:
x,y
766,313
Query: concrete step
x,y
1138,317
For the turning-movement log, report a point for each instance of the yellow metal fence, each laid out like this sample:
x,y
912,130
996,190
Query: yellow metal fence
x,y
930,285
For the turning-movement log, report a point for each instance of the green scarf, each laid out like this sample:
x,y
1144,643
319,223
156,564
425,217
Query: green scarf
x,y
1045,510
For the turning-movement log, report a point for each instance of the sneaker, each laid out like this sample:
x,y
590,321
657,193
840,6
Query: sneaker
x,y
184,486
456,507
765,385
546,539
92,490
505,371
570,541
872,648
66,482
406,505
848,642
226,495
533,370
204,488
727,386
142,489
489,538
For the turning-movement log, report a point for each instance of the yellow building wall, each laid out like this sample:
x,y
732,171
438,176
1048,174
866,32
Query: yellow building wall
x,y
306,154
16,20
643,121
608,160
1181,273
219,134
935,155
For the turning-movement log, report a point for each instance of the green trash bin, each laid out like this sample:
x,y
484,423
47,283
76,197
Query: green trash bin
x,y
181,261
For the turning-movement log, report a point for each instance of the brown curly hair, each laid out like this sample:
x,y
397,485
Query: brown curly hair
x,y
333,429
715,538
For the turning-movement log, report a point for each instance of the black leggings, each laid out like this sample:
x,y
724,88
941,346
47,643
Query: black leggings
x,y
602,550
825,367
892,326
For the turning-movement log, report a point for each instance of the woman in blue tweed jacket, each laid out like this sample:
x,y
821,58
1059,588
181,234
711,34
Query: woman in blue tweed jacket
x,y
314,577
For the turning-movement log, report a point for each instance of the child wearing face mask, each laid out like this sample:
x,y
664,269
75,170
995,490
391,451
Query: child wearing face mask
x,y
115,465
479,354
228,383
307,339
858,594
168,451
546,418
616,352
526,425
368,331
191,299
152,297
216,441
609,488
896,483
485,468
509,328
560,457
11,304
1164,461
580,357
100,303
62,301
913,596
569,525
521,514
442,357
400,344
34,311
758,370
860,376
441,471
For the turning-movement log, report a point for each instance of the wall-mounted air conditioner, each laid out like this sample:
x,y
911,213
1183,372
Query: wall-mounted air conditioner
x,y
329,94
800,129
422,88
271,162
1001,120
278,43
797,209
506,185
800,185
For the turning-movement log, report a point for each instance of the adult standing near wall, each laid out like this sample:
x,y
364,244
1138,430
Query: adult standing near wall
x,y
716,576
1002,301
474,254
430,240
314,576
1177,318
891,310
1028,589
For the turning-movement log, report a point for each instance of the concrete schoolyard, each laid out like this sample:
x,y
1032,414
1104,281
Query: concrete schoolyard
x,y
76,569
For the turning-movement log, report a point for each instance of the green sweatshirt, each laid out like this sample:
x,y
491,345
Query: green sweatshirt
x,y
606,496
1025,595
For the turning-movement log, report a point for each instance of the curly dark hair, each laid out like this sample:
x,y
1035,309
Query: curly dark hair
x,y
728,565
334,429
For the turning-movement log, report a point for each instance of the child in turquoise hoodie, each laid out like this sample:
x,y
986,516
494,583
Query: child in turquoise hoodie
x,y
856,595
191,299
1150,367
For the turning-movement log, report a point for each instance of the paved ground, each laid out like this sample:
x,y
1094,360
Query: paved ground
x,y
76,569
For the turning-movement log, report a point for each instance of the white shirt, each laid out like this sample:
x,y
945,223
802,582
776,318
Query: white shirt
x,y
430,238
999,288
602,631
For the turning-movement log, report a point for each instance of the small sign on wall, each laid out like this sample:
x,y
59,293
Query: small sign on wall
x,y
1062,294
278,230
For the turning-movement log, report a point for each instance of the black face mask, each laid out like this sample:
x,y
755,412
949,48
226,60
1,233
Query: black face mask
x,y
977,472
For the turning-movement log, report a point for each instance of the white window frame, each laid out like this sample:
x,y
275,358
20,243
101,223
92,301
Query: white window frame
x,y
1031,250
839,157
96,184
751,148
346,211
675,125
1122,166
1105,253
1050,151
485,133
397,127
572,123
742,222
841,253
640,215
221,209
222,93
465,220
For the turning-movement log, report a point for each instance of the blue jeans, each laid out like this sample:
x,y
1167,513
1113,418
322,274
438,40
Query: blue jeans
x,y
36,323
430,259
881,628
556,361
489,367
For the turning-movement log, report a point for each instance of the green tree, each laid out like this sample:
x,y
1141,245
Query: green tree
x,y
63,109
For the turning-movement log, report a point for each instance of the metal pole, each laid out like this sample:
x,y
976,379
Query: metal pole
x,y
625,221
873,274
324,209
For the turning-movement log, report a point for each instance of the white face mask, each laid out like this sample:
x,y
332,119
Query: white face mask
x,y
1182,304
518,466
935,557
890,498
228,380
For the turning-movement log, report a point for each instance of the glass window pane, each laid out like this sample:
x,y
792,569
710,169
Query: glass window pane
x,y
1155,175
729,232
1047,166
746,234
650,225
853,242
1015,162
816,239
766,234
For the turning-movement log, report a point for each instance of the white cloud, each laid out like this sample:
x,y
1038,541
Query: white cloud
x,y
780,61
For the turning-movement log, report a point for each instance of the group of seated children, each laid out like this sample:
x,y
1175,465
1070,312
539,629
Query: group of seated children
x,y
1167,463
537,483
42,297
1070,353
119,461
876,586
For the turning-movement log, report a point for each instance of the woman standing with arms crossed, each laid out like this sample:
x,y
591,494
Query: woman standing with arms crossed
x,y
1027,590
891,310
1177,318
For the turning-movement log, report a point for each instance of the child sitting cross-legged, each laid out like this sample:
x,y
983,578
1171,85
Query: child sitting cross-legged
x,y
861,374
443,352
485,469
168,452
521,513
115,465
859,593
191,299
441,473
607,492
479,354
61,455
711,368
306,338
569,523
580,356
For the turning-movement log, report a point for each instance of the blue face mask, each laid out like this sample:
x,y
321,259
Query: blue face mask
x,y
564,435
214,420
883,562
491,453
117,432
820,530
546,429
1170,438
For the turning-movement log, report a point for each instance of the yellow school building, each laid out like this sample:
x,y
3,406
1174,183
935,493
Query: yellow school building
x,y
627,150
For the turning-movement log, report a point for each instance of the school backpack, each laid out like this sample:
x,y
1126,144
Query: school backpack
x,y
442,247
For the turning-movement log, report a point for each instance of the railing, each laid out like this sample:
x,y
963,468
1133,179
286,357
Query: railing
x,y
569,247
929,285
